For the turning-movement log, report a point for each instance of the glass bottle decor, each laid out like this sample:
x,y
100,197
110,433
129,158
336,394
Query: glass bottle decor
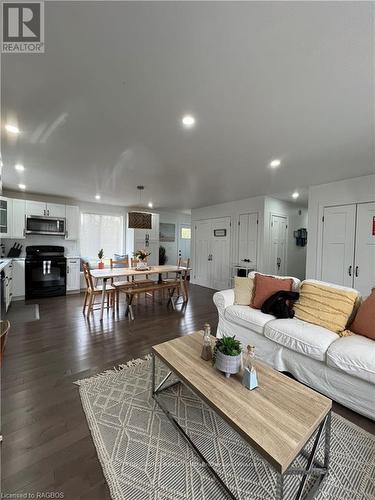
x,y
207,348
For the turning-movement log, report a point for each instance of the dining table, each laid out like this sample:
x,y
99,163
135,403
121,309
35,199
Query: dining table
x,y
131,272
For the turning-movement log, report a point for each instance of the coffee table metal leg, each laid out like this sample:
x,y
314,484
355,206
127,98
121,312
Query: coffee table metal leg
x,y
280,487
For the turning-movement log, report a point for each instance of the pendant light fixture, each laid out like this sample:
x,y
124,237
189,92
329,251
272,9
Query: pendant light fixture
x,y
139,220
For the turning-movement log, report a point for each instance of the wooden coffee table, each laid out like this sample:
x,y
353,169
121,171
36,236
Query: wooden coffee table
x,y
277,419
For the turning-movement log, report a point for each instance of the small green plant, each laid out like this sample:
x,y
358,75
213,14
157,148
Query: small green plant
x,y
141,254
229,346
101,254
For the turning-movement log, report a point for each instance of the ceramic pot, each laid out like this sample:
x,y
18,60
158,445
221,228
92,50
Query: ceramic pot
x,y
142,264
227,364
100,264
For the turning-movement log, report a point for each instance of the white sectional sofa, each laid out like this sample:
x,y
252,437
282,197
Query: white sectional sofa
x,y
342,368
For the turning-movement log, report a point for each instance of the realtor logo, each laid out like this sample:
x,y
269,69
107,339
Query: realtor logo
x,y
23,27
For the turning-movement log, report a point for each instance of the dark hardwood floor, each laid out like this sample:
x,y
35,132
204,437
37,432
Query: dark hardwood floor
x,y
47,445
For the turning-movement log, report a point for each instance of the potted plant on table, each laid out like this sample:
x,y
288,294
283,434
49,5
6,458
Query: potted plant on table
x,y
101,255
141,256
227,355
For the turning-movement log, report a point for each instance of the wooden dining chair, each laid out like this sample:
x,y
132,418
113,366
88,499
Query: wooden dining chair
x,y
93,290
4,330
121,284
178,275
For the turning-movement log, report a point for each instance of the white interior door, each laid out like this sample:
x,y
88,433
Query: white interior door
x,y
248,238
202,261
279,228
338,244
184,240
364,270
220,253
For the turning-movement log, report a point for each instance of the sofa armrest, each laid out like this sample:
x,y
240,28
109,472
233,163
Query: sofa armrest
x,y
223,299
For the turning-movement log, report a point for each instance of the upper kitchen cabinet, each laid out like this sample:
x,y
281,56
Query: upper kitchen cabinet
x,y
41,209
5,217
72,222
18,219
35,208
55,210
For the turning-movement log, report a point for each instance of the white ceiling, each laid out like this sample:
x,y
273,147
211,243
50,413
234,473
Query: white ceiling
x,y
100,110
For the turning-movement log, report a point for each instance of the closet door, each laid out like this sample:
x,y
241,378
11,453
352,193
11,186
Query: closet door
x,y
279,230
202,262
338,245
248,238
220,253
364,269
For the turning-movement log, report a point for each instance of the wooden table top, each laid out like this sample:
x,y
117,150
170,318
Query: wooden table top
x,y
118,272
276,419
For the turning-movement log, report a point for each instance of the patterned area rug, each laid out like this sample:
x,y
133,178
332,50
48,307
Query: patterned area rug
x,y
144,457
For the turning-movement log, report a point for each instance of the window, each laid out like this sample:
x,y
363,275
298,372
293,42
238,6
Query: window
x,y
186,233
101,231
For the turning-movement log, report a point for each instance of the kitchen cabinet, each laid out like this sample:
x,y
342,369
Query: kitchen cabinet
x,y
73,281
5,217
18,219
55,210
18,278
42,209
72,222
35,208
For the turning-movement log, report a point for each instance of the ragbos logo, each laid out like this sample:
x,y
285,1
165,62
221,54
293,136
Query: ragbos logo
x,y
23,27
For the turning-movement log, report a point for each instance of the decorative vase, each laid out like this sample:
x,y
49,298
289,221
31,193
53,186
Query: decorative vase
x,y
100,264
142,265
227,364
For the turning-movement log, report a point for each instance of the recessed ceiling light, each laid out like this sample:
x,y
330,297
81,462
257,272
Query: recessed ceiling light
x,y
22,187
13,129
275,163
19,167
188,121
295,195
150,205
97,196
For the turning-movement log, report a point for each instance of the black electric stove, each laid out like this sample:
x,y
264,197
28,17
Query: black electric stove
x,y
45,271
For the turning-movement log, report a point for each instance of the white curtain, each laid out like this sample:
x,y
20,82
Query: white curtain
x,y
101,231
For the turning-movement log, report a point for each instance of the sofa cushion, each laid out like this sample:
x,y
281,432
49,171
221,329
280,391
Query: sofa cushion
x,y
296,281
248,317
325,305
354,355
364,322
243,290
300,336
266,286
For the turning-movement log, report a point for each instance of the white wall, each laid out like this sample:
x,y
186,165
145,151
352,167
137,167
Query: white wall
x,y
357,190
296,256
175,218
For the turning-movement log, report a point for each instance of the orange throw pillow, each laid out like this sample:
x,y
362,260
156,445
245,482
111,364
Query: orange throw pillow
x,y
364,322
265,286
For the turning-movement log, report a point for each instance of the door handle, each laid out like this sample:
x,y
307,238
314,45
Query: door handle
x,y
350,270
356,271
278,262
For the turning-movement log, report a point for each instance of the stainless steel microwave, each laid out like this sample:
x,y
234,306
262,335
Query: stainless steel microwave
x,y
45,225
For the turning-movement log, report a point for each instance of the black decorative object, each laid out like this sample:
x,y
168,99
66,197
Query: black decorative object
x,y
301,237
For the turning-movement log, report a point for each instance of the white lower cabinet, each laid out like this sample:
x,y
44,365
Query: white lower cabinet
x,y
8,271
73,275
18,278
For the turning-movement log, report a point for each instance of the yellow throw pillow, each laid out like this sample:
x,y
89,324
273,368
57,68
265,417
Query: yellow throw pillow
x,y
243,291
325,306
